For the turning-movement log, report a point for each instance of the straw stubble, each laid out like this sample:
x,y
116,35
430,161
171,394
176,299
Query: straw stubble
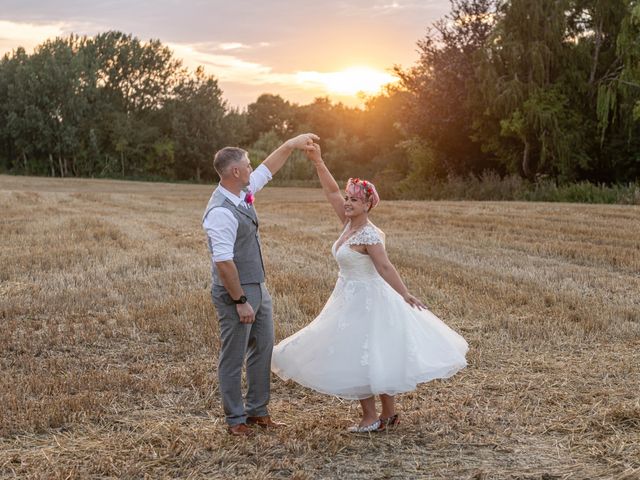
x,y
109,340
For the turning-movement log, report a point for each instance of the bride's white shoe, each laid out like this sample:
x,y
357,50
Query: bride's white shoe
x,y
366,429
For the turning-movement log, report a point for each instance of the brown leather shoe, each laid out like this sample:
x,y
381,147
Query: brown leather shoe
x,y
240,430
264,422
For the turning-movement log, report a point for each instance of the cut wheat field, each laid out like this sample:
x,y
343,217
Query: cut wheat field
x,y
109,340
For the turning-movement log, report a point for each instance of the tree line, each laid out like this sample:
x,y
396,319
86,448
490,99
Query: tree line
x,y
544,89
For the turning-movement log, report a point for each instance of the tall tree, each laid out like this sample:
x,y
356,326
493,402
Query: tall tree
x,y
438,112
269,113
618,97
135,80
523,90
46,106
197,114
136,76
384,135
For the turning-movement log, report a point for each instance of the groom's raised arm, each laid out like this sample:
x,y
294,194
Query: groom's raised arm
x,y
279,156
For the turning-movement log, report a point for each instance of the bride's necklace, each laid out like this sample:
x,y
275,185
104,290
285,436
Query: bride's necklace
x,y
350,233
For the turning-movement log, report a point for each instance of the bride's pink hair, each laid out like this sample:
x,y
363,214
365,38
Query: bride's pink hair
x,y
364,190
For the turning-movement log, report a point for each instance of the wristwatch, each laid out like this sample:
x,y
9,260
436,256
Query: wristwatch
x,y
241,300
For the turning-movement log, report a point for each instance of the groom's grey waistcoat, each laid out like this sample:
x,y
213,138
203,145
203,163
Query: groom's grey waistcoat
x,y
246,251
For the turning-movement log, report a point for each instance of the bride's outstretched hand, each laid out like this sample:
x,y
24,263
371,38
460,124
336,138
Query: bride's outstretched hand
x,y
314,153
414,302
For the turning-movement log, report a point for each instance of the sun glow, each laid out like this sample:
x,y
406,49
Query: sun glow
x,y
351,81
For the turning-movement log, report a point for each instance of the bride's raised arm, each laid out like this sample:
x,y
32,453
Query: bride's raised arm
x,y
329,186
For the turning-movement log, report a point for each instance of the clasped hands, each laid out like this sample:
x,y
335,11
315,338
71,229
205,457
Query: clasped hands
x,y
303,142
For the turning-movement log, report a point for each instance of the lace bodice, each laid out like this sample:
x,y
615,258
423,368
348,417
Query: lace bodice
x,y
355,265
368,235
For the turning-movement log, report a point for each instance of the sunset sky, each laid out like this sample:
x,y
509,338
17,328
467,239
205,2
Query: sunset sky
x,y
299,50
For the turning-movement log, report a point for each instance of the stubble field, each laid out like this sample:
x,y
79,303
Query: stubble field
x,y
109,340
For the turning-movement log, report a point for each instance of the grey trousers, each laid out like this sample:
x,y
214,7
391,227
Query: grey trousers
x,y
238,341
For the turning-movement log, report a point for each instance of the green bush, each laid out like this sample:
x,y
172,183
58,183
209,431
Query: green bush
x,y
490,186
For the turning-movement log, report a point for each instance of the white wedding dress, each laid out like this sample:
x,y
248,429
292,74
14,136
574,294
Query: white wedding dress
x,y
367,340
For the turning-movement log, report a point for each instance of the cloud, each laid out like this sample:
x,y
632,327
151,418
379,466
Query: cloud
x,y
224,47
28,35
226,66
31,34
390,7
242,81
231,67
249,57
232,46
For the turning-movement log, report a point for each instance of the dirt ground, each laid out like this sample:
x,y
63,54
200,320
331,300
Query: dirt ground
x,y
109,340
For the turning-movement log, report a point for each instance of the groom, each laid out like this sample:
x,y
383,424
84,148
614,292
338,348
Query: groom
x,y
239,294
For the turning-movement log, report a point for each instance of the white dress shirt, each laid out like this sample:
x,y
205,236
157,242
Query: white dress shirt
x,y
220,224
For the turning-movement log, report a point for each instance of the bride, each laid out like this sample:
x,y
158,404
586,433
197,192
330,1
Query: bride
x,y
372,337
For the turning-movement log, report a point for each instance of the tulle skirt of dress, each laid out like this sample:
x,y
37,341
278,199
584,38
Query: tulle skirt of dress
x,y
366,341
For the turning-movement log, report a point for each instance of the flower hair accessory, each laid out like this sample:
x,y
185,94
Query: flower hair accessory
x,y
364,190
248,197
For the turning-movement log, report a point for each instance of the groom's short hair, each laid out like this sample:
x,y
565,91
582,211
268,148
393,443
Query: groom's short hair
x,y
227,156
